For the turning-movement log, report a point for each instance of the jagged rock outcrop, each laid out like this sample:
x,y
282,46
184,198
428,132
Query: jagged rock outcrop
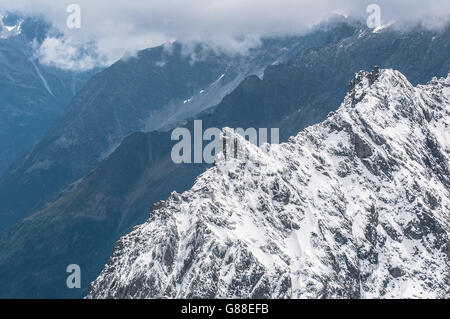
x,y
357,206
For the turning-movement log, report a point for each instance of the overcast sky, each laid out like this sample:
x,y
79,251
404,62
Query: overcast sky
x,y
118,26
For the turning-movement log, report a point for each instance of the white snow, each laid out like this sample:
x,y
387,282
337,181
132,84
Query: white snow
x,y
309,218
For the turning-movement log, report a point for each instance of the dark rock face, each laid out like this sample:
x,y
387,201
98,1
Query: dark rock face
x,y
396,272
362,235
357,81
362,149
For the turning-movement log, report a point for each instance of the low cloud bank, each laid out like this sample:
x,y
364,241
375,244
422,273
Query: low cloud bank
x,y
112,28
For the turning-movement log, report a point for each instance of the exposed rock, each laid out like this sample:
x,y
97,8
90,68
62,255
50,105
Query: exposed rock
x,y
362,233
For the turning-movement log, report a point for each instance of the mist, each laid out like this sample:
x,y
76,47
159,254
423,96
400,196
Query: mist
x,y
114,28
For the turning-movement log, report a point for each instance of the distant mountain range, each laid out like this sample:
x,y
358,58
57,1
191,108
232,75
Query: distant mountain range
x,y
32,95
81,222
156,89
354,207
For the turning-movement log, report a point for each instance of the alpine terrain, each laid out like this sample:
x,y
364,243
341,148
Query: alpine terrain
x,y
32,94
356,206
158,87
81,223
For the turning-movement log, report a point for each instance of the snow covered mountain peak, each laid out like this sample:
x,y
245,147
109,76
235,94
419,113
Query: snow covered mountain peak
x,y
357,206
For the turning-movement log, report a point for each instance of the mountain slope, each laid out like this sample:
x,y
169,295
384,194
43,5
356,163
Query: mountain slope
x,y
82,223
157,88
354,207
32,95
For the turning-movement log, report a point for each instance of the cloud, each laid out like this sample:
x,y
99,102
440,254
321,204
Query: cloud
x,y
59,52
118,26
